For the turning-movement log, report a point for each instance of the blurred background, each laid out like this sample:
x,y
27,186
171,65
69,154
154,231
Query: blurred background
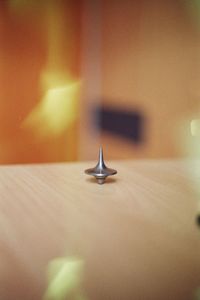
x,y
77,74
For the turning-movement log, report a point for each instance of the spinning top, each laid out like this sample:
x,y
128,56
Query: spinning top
x,y
100,172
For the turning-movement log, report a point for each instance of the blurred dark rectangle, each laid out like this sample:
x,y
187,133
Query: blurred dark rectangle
x,y
123,123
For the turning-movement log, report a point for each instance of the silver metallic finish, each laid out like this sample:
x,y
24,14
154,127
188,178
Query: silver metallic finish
x,y
100,172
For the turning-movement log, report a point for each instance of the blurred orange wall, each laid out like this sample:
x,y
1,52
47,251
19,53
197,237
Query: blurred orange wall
x,y
24,52
150,55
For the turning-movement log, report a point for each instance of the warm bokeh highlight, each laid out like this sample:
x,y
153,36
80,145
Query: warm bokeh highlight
x,y
39,80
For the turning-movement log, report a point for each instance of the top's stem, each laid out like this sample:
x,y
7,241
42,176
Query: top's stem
x,y
101,160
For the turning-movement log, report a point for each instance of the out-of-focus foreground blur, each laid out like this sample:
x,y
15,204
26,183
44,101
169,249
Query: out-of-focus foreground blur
x,y
76,74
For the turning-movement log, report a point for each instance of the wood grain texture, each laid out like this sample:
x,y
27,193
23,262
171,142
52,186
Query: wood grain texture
x,y
136,233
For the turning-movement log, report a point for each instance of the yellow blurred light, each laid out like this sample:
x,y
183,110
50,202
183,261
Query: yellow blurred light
x,y
57,110
195,127
65,278
197,294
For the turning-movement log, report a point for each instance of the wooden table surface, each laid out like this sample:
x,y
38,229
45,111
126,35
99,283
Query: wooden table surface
x,y
136,234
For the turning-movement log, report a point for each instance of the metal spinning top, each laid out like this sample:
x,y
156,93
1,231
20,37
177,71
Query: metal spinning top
x,y
100,172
